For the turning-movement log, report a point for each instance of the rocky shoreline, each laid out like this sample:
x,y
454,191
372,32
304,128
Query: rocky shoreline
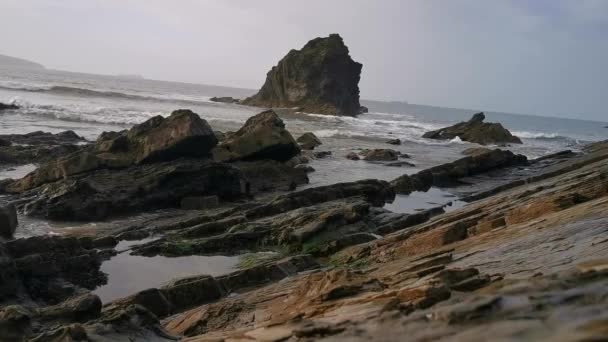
x,y
526,257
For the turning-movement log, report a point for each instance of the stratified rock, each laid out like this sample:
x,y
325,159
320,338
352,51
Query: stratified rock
x,y
381,155
8,220
4,106
449,173
262,137
475,131
224,99
109,192
394,141
320,78
308,141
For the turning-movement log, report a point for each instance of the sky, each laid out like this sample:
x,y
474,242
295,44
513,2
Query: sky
x,y
543,57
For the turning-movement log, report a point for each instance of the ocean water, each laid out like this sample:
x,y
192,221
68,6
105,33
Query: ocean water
x,y
90,104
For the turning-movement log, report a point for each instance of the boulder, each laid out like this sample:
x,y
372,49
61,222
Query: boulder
x,y
4,142
182,134
308,141
363,110
4,106
394,141
383,154
321,154
8,220
224,99
473,151
262,137
320,78
475,131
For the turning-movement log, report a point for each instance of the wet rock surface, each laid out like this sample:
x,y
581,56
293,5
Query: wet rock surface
x,y
320,78
476,131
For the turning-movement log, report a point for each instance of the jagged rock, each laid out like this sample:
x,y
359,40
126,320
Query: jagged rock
x,y
394,141
44,138
363,110
262,137
475,131
182,134
225,99
353,156
8,220
308,141
320,78
78,309
381,155
4,106
4,143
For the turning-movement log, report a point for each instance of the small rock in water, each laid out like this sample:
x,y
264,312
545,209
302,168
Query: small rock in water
x,y
8,221
199,202
400,163
308,141
353,156
394,142
225,99
381,155
322,154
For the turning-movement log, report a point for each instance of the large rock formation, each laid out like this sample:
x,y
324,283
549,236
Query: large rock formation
x,y
475,131
262,137
320,78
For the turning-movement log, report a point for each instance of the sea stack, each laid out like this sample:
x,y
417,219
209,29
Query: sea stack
x,y
320,78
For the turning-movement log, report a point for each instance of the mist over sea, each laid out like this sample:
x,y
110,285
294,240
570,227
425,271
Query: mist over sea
x,y
90,104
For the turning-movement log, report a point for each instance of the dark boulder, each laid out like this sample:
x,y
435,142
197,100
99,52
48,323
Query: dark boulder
x,y
182,134
353,156
381,155
262,137
308,141
320,78
4,106
8,221
394,141
475,131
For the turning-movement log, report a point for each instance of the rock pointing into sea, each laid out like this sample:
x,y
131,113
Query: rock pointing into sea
x,y
320,78
475,131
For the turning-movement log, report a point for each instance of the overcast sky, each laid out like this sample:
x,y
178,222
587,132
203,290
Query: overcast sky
x,y
546,57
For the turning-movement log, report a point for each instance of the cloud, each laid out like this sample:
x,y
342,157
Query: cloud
x,y
541,57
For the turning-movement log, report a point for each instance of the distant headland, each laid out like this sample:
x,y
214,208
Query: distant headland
x,y
15,62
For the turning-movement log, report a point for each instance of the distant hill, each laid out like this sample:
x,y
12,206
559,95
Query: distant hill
x,y
18,63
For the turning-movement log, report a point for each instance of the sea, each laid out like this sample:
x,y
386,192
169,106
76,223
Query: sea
x,y
55,101
88,104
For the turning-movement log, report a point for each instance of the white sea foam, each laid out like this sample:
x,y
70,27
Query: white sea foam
x,y
535,135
